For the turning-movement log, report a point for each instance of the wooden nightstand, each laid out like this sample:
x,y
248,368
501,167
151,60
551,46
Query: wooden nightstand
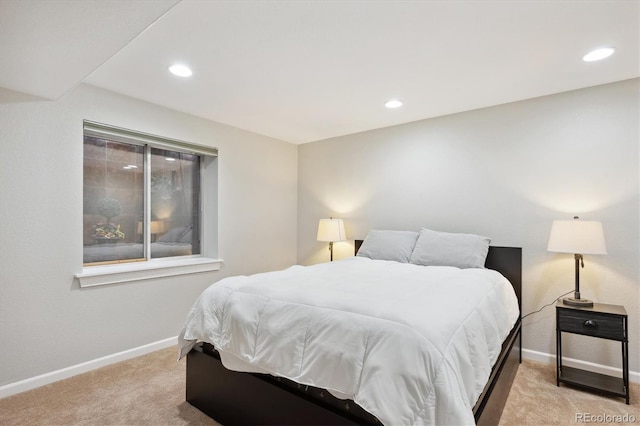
x,y
601,321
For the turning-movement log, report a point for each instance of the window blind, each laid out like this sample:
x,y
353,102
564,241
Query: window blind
x,y
117,134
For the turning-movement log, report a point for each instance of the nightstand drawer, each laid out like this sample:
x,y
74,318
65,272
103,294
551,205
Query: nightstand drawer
x,y
591,324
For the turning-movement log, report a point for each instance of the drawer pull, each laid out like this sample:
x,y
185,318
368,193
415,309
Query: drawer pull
x,y
590,323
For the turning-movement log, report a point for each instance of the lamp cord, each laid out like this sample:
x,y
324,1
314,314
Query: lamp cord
x,y
548,304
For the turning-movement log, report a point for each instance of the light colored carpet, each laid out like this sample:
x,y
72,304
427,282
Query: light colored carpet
x,y
535,399
149,390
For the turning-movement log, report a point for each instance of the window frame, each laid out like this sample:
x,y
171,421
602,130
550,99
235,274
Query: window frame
x,y
207,260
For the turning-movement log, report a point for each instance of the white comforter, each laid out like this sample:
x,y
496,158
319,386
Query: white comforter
x,y
410,344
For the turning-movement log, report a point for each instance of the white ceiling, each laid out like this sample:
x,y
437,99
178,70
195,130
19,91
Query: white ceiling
x,y
302,71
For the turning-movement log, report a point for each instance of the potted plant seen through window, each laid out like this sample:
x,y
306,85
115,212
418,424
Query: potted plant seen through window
x,y
109,208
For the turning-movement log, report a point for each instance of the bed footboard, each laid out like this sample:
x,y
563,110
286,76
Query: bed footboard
x,y
228,396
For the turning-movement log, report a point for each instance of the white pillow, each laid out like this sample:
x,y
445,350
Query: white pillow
x,y
388,245
450,249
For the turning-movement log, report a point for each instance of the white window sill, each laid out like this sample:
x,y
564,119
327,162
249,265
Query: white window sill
x,y
124,272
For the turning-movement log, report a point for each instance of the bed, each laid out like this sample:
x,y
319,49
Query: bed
x,y
308,358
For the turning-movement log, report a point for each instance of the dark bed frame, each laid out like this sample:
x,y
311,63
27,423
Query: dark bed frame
x,y
234,398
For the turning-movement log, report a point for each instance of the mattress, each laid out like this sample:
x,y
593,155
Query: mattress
x,y
410,344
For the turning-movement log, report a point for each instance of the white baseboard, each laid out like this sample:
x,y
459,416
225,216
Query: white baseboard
x,y
634,376
65,373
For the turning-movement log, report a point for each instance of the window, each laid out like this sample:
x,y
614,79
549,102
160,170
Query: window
x,y
144,197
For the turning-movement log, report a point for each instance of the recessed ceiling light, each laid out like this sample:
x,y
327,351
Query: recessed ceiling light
x,y
598,54
180,70
394,103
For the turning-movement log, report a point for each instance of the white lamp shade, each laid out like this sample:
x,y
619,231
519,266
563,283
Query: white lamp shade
x,y
577,237
156,227
331,230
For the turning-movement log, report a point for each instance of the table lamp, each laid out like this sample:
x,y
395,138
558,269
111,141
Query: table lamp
x,y
331,230
578,237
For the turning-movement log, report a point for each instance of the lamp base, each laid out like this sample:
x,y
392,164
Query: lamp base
x,y
571,301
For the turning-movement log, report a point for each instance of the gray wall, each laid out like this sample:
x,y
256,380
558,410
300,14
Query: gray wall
x,y
46,321
505,172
